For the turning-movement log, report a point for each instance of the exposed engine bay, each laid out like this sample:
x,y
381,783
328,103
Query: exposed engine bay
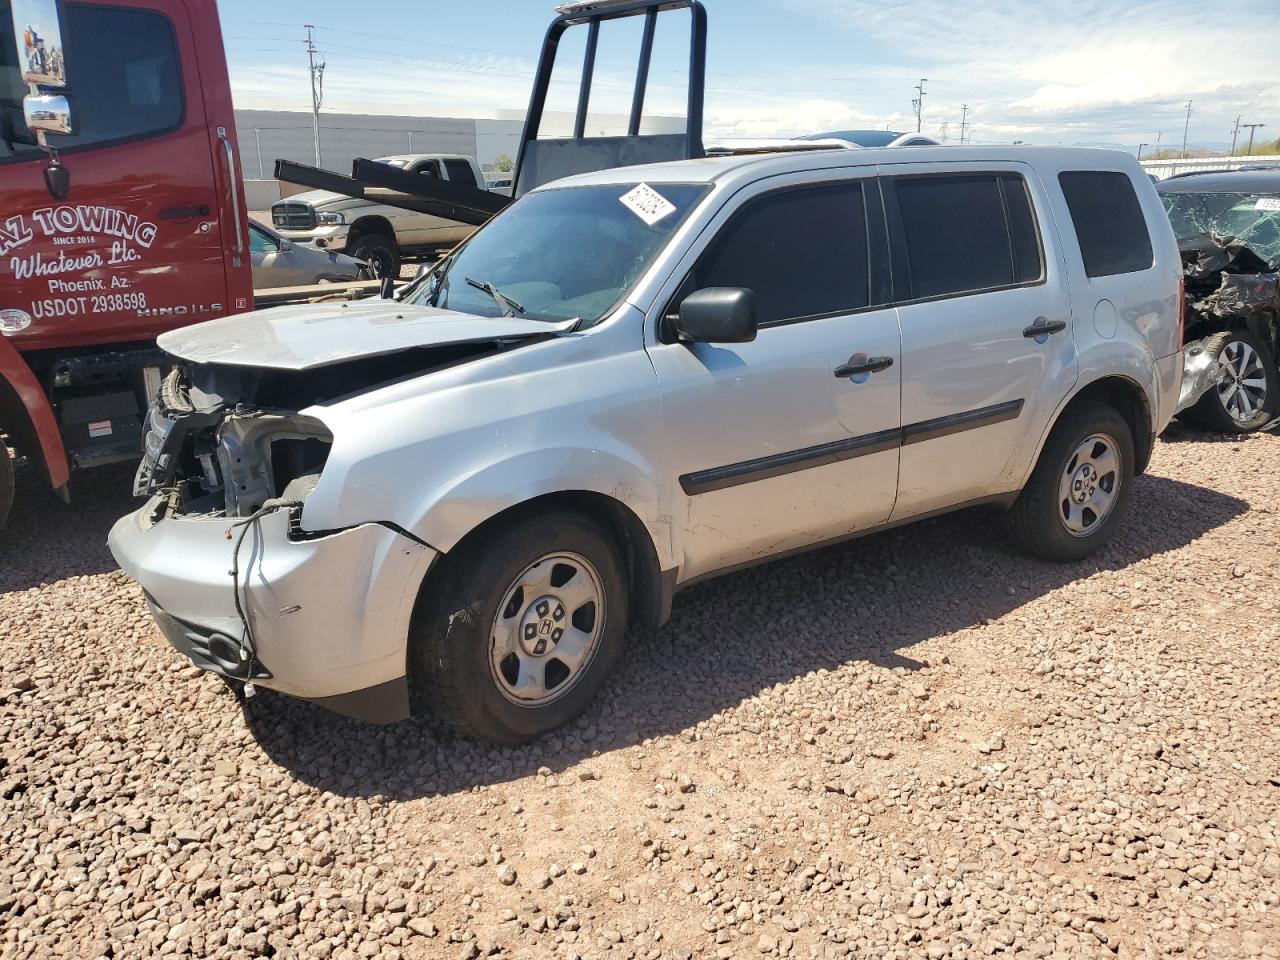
x,y
226,440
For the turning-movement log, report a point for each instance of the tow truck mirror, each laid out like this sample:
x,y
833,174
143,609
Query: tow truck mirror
x,y
47,112
37,30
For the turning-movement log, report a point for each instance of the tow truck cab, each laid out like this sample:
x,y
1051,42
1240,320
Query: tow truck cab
x,y
123,217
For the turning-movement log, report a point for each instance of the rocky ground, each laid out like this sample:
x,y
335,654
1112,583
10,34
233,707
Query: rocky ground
x,y
917,745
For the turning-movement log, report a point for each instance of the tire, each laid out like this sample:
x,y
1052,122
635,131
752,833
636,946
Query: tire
x,y
381,254
1046,520
1234,405
490,616
6,483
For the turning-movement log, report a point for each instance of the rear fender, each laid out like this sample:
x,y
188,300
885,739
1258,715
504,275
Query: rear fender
x,y
25,414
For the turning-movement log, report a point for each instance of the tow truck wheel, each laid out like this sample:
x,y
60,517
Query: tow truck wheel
x,y
381,254
517,631
6,483
1247,397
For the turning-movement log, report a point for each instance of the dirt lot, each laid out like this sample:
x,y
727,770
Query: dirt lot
x,y
917,745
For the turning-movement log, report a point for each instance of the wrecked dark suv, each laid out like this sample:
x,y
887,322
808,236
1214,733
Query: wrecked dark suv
x,y
1228,230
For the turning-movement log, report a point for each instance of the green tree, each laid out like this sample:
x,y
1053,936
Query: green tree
x,y
503,163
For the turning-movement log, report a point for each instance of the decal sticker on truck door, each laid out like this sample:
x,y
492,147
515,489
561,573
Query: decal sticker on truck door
x,y
56,246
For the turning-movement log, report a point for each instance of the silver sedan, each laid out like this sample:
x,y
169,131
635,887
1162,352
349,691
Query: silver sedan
x,y
281,262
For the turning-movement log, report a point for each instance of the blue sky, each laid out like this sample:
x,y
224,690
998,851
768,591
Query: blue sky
x,y
1043,71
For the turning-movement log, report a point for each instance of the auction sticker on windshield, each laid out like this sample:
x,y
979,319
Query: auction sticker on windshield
x,y
647,204
1267,203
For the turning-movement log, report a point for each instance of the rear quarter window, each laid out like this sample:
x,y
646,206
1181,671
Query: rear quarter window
x,y
1108,221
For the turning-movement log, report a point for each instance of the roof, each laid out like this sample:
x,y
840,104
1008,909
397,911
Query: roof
x,y
757,165
411,157
1223,181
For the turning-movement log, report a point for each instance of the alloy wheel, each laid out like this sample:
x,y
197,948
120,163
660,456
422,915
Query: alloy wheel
x,y
1242,390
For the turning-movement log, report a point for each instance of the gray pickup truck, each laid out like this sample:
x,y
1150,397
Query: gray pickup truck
x,y
376,233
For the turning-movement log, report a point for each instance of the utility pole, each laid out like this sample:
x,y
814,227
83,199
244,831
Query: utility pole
x,y
1185,127
943,129
918,102
317,90
964,121
1235,132
257,138
1251,127
1140,146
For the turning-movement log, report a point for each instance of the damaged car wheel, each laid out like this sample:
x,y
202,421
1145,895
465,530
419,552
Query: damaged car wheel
x,y
516,632
1247,397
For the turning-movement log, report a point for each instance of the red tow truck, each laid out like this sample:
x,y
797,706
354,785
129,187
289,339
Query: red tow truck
x,y
123,216
123,213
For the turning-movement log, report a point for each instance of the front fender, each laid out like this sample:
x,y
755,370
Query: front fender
x,y
450,511
40,428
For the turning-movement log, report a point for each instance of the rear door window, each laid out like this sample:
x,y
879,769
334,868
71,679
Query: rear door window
x,y
124,78
460,172
967,233
802,251
1108,221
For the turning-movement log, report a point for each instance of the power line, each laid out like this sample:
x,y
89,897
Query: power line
x,y
964,121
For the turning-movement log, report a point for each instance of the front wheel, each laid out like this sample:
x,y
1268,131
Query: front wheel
x,y
1247,397
1079,489
516,633
381,256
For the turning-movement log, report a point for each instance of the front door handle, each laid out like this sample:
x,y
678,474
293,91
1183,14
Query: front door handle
x,y
861,363
1043,328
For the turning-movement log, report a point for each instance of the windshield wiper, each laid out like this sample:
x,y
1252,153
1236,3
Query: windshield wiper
x,y
509,306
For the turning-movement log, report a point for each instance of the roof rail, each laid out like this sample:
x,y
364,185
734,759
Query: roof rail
x,y
733,148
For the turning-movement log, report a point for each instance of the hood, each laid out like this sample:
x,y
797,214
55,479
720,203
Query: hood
x,y
310,335
323,198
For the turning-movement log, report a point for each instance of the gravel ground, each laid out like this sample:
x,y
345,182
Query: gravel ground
x,y
917,745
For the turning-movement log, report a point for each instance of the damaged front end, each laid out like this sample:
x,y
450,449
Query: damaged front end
x,y
234,580
205,453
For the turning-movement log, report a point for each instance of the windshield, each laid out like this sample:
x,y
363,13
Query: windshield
x,y
560,254
1252,218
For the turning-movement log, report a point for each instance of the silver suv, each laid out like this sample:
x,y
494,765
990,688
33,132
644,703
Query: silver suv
x,y
632,380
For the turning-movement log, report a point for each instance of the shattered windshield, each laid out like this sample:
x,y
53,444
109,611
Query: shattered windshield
x,y
1253,219
560,254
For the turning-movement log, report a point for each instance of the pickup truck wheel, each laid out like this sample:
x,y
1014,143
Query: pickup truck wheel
x,y
1079,489
1247,397
6,483
517,632
382,255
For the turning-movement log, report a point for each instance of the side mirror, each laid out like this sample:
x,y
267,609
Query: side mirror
x,y
37,31
48,112
717,315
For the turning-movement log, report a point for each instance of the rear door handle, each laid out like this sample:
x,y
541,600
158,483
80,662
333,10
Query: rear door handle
x,y
1043,327
184,213
861,363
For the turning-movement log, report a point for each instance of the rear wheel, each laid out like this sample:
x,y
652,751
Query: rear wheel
x,y
1247,397
380,254
1079,490
519,629
6,483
